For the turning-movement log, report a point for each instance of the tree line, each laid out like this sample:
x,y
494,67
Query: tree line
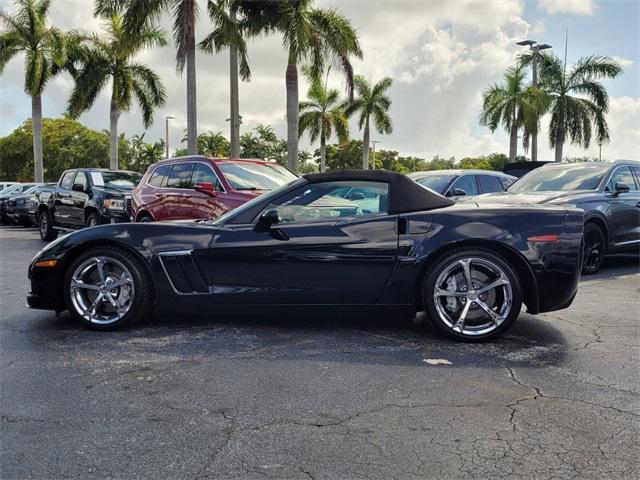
x,y
314,37
69,144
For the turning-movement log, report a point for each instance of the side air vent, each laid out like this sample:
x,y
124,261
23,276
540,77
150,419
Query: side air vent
x,y
183,273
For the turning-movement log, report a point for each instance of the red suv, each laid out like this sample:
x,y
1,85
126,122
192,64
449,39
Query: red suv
x,y
202,188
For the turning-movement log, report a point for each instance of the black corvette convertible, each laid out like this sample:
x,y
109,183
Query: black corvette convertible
x,y
354,239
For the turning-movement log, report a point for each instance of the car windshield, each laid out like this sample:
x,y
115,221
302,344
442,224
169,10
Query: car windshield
x,y
436,182
560,179
11,188
255,176
31,190
119,180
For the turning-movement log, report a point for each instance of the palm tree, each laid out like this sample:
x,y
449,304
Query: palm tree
x,y
578,101
27,32
313,34
371,102
228,32
99,58
139,13
322,114
507,104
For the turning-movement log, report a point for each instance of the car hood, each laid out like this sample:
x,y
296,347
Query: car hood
x,y
528,198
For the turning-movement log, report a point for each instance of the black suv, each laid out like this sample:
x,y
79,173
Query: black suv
x,y
86,197
608,192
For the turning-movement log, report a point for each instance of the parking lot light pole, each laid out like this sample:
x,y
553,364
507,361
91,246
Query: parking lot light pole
x,y
535,49
166,134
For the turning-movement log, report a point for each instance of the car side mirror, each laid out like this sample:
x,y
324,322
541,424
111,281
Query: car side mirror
x,y
357,196
621,188
206,187
457,192
77,187
267,220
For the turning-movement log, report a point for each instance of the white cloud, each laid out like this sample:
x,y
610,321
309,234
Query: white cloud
x,y
575,7
624,62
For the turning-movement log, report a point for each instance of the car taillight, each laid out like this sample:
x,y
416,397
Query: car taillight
x,y
543,238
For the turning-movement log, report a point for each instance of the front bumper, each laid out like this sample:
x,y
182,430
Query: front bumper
x,y
21,215
46,290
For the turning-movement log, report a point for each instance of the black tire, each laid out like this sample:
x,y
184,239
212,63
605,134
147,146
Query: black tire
x,y
45,226
594,248
145,218
441,264
142,300
93,219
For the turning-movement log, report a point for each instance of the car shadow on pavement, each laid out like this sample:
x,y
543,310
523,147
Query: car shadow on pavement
x,y
530,343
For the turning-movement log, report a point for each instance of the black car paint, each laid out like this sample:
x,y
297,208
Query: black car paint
x,y
376,261
617,214
69,208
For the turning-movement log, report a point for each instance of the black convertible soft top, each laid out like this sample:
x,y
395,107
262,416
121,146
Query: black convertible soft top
x,y
405,195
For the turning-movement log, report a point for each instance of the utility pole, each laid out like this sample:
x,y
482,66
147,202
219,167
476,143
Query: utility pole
x,y
166,134
600,154
373,153
535,49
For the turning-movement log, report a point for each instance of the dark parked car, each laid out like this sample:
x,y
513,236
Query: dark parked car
x,y
22,209
306,246
86,197
609,194
7,193
456,183
203,188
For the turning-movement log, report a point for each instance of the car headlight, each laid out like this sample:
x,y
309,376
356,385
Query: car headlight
x,y
21,201
113,204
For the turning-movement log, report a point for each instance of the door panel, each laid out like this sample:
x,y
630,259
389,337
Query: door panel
x,y
625,213
77,201
324,262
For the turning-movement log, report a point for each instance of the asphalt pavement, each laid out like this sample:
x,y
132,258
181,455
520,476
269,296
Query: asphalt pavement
x,y
319,398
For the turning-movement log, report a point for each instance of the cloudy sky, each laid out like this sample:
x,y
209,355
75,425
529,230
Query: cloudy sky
x,y
440,53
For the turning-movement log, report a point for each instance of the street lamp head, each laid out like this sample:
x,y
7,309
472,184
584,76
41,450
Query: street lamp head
x,y
525,43
544,46
169,117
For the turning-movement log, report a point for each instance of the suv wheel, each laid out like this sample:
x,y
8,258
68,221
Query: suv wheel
x,y
93,219
47,232
593,249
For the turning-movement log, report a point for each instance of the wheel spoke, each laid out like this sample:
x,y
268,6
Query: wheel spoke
x,y
459,325
440,292
466,268
80,284
497,319
503,280
100,264
115,304
124,280
91,309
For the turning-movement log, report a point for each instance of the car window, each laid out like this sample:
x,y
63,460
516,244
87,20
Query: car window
x,y
466,183
636,170
490,184
506,181
321,201
561,178
255,176
67,180
436,182
81,178
180,176
159,176
204,173
621,175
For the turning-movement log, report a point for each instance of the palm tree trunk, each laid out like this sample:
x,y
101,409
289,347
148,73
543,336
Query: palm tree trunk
x,y
36,120
513,144
291,78
559,144
192,112
323,154
365,147
113,135
235,103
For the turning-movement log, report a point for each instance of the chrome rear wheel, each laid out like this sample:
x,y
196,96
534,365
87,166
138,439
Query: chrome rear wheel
x,y
472,294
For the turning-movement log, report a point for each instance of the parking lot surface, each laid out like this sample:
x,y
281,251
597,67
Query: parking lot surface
x,y
321,398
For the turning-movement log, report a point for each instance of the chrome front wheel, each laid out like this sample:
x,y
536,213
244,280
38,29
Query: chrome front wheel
x,y
102,290
472,294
